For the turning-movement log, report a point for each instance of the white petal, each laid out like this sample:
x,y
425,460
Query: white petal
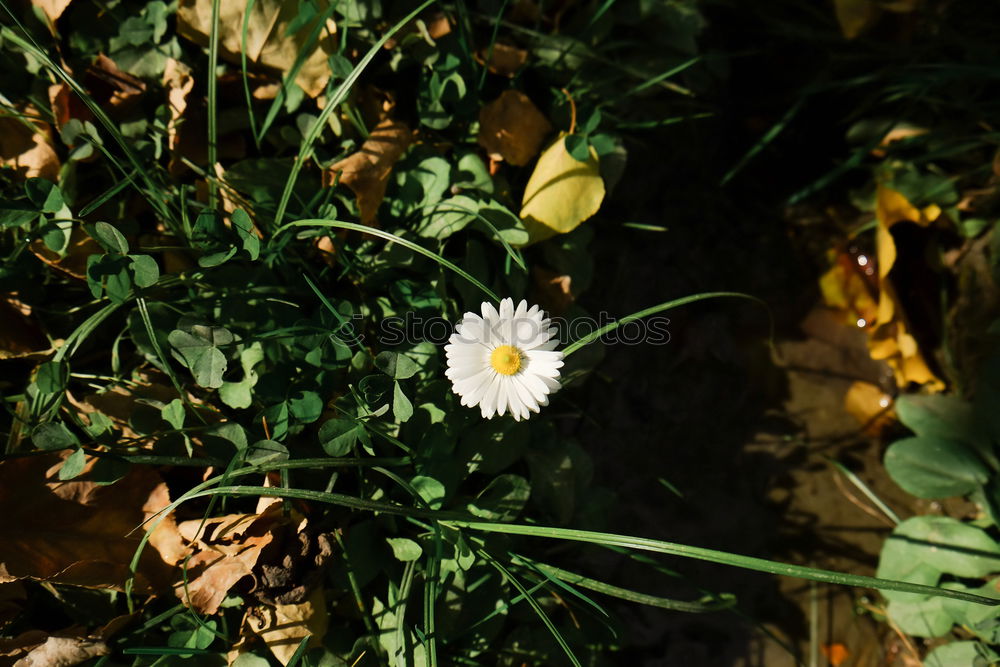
x,y
489,402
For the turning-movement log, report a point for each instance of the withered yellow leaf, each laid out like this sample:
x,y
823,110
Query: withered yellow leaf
x,y
561,192
53,9
267,43
512,128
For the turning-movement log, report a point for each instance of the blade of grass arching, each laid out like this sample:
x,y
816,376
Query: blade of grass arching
x,y
289,76
395,239
106,195
547,574
329,306
513,254
721,557
243,70
489,47
87,327
629,595
534,605
305,148
591,337
865,489
213,108
652,81
768,137
156,195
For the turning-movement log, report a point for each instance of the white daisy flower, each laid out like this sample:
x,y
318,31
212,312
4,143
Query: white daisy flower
x,y
506,361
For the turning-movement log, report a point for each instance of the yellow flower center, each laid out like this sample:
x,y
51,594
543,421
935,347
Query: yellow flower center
x,y
506,360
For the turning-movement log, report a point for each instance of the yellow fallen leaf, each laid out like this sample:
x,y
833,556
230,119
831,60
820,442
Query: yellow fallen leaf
x,y
561,192
284,626
267,43
512,128
889,339
850,288
870,405
367,171
854,16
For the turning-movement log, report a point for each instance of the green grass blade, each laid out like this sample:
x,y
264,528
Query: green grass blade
x,y
864,488
106,195
213,109
768,137
534,605
590,338
336,224
305,148
243,71
724,558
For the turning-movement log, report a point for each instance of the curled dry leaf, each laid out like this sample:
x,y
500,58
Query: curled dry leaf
x,y
850,287
367,171
512,128
78,532
267,43
284,626
36,648
561,192
890,339
178,82
26,147
52,9
227,548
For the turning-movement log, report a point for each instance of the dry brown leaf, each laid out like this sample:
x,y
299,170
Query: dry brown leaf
x,y
179,82
20,335
26,147
111,85
76,532
512,128
552,290
12,598
228,549
505,59
53,9
367,171
74,261
267,43
52,651
284,626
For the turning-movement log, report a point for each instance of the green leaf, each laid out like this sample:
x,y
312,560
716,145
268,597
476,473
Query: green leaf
x,y
44,194
503,499
431,490
404,549
339,436
264,451
376,390
402,409
931,467
395,365
962,654
173,413
145,270
937,415
196,345
110,238
53,435
73,465
921,618
493,445
51,377
245,230
922,548
578,147
306,406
